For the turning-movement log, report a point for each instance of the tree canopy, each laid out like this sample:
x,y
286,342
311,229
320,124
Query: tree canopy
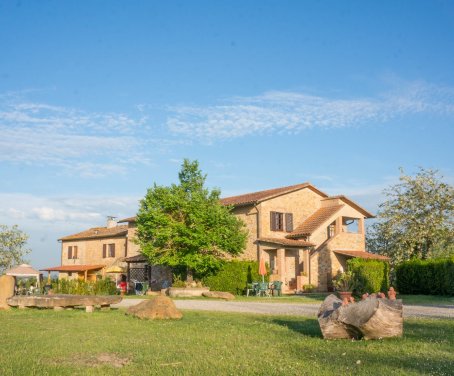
x,y
416,220
186,225
12,251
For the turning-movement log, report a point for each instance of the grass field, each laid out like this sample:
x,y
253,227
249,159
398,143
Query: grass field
x,y
431,300
43,342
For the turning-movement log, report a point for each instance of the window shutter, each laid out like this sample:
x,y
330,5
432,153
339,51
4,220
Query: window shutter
x,y
75,249
104,250
273,221
70,252
288,222
113,250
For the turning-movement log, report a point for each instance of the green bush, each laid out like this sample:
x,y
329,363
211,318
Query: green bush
x,y
234,276
80,287
369,275
429,277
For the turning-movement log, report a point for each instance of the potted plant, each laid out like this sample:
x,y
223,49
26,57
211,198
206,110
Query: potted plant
x,y
343,282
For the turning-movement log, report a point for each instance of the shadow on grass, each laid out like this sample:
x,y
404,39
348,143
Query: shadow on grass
x,y
306,326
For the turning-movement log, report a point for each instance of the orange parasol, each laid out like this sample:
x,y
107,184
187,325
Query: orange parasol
x,y
262,268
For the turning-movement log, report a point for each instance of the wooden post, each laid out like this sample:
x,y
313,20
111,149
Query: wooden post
x,y
85,275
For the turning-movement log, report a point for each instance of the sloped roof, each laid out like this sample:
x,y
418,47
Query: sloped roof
x,y
255,197
352,204
314,221
98,232
22,270
73,268
362,254
130,219
286,242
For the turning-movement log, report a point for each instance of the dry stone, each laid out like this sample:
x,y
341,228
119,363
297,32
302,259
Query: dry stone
x,y
6,290
159,308
219,295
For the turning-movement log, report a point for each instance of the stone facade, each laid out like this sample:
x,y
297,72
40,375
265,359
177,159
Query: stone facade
x,y
316,264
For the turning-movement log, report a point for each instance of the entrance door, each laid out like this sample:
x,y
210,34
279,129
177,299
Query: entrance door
x,y
291,262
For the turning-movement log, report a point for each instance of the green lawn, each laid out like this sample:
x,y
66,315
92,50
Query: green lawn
x,y
432,300
42,342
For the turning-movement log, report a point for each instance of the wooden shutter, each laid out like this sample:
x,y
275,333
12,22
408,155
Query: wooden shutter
x,y
273,221
70,252
75,249
289,222
104,250
112,250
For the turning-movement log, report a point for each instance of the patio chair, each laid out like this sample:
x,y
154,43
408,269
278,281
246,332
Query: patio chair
x,y
251,287
263,289
277,287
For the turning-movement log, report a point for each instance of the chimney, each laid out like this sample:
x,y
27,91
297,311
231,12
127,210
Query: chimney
x,y
111,221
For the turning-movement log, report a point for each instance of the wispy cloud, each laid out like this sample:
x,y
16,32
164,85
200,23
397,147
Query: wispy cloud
x,y
87,143
65,210
294,112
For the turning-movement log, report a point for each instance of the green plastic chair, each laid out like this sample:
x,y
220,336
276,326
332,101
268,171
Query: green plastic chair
x,y
277,287
263,289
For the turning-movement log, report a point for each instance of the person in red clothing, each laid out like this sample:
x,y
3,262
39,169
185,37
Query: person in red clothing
x,y
123,285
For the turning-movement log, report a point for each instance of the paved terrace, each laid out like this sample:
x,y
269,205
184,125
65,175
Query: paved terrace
x,y
286,308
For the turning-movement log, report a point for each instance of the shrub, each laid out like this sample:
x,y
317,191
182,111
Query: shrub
x,y
308,288
369,275
430,277
234,276
80,287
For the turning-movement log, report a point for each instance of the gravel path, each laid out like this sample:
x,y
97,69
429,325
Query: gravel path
x,y
286,308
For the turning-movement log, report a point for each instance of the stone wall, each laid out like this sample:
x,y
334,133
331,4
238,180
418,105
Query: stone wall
x,y
90,251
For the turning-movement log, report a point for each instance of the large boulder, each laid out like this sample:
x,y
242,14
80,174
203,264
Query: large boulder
x,y
6,290
159,308
219,295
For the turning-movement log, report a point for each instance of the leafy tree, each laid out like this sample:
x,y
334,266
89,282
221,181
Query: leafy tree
x,y
186,225
12,242
416,220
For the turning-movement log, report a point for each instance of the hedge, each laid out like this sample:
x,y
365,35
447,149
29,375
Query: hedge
x,y
428,277
234,276
80,287
369,275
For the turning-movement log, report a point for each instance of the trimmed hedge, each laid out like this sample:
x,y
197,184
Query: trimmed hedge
x,y
429,277
369,275
234,276
80,287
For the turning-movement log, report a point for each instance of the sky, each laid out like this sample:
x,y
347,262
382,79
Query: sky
x,y
99,100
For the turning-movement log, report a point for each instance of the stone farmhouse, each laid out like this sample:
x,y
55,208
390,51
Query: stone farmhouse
x,y
304,235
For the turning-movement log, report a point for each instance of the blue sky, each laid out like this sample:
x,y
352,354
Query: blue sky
x,y
100,99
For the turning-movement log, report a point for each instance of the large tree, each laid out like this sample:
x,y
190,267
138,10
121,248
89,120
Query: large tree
x,y
12,251
186,225
416,220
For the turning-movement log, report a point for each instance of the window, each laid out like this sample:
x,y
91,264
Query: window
x,y
331,230
72,252
108,250
277,221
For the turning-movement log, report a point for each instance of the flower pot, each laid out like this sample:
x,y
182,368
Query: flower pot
x,y
345,294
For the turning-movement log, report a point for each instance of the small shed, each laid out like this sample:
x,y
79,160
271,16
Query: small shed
x,y
24,270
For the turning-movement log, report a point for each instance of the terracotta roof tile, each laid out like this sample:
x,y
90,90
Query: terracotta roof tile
x,y
362,254
254,197
314,221
98,232
130,219
352,204
286,242
73,268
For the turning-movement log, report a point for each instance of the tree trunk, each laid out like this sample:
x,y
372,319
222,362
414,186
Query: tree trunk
x,y
189,275
372,318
